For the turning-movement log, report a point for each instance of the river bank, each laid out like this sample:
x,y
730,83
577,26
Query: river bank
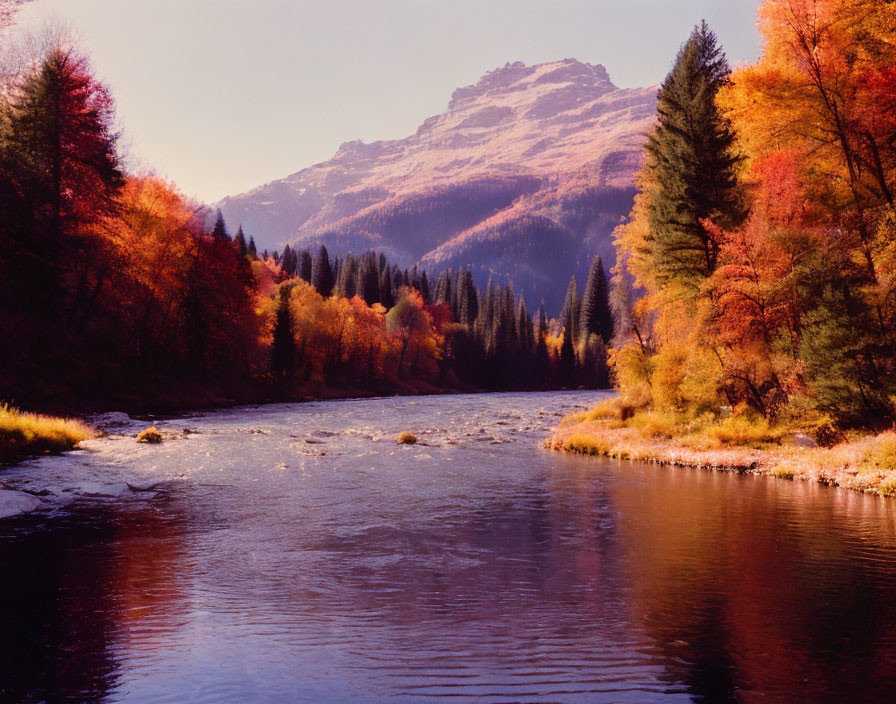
x,y
866,464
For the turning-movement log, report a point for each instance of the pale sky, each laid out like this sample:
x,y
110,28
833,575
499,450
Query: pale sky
x,y
224,95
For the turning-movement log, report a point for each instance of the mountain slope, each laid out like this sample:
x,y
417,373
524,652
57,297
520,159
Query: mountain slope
x,y
525,175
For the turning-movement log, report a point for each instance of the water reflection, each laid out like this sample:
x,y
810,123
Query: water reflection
x,y
468,570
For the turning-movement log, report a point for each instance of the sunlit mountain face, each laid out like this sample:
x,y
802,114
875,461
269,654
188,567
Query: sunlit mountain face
x,y
524,177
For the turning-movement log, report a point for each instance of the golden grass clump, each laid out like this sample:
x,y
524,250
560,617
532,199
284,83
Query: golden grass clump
x,y
655,424
23,434
584,444
407,438
744,431
150,435
881,454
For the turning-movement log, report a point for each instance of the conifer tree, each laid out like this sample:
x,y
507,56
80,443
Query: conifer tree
x,y
368,282
387,297
322,273
305,266
597,317
283,350
347,278
424,288
252,249
240,241
570,312
219,231
691,165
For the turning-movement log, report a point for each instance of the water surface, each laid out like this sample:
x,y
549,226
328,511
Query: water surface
x,y
296,553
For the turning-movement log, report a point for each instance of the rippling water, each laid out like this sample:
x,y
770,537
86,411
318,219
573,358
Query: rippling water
x,y
296,553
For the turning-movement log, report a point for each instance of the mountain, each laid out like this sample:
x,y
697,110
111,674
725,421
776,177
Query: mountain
x,y
524,175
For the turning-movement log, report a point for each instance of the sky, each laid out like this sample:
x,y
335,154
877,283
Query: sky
x,y
225,95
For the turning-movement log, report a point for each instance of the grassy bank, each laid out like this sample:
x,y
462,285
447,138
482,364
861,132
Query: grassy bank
x,y
737,443
23,434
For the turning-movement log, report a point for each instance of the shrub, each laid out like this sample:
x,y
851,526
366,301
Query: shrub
x,y
608,409
584,444
24,434
745,429
655,423
407,438
150,435
882,453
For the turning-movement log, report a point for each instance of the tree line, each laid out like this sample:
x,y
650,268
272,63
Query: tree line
x,y
116,285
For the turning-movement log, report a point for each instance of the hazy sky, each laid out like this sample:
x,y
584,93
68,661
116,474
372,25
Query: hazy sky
x,y
224,95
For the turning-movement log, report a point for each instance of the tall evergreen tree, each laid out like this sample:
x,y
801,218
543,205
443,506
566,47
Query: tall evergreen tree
x,y
597,317
252,249
305,266
322,273
691,164
283,350
219,231
570,313
61,144
240,241
369,282
347,278
424,288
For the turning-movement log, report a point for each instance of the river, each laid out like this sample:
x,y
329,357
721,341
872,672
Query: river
x,y
296,553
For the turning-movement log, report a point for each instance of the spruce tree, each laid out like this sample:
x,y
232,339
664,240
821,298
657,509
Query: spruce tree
x,y
252,249
283,349
387,297
240,241
305,266
570,313
219,231
322,273
369,282
691,164
597,317
347,278
424,288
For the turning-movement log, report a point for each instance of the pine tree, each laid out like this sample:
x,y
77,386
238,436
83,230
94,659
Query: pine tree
x,y
289,262
240,241
347,278
322,273
387,297
305,266
369,282
570,313
60,139
283,350
570,327
219,231
252,249
597,317
468,306
691,164
424,288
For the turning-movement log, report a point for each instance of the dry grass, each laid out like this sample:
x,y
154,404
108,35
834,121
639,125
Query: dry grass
x,y
150,435
406,438
23,434
736,443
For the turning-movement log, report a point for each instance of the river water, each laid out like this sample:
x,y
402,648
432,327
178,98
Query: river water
x,y
297,553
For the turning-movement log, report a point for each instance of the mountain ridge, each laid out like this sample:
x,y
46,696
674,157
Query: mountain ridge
x,y
543,149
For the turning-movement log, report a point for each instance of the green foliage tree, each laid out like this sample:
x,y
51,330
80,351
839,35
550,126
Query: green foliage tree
x,y
597,317
322,273
691,165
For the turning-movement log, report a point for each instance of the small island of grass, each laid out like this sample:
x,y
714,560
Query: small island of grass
x,y
23,434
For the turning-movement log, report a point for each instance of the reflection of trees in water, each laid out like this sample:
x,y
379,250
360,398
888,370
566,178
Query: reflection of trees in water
x,y
748,586
72,591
